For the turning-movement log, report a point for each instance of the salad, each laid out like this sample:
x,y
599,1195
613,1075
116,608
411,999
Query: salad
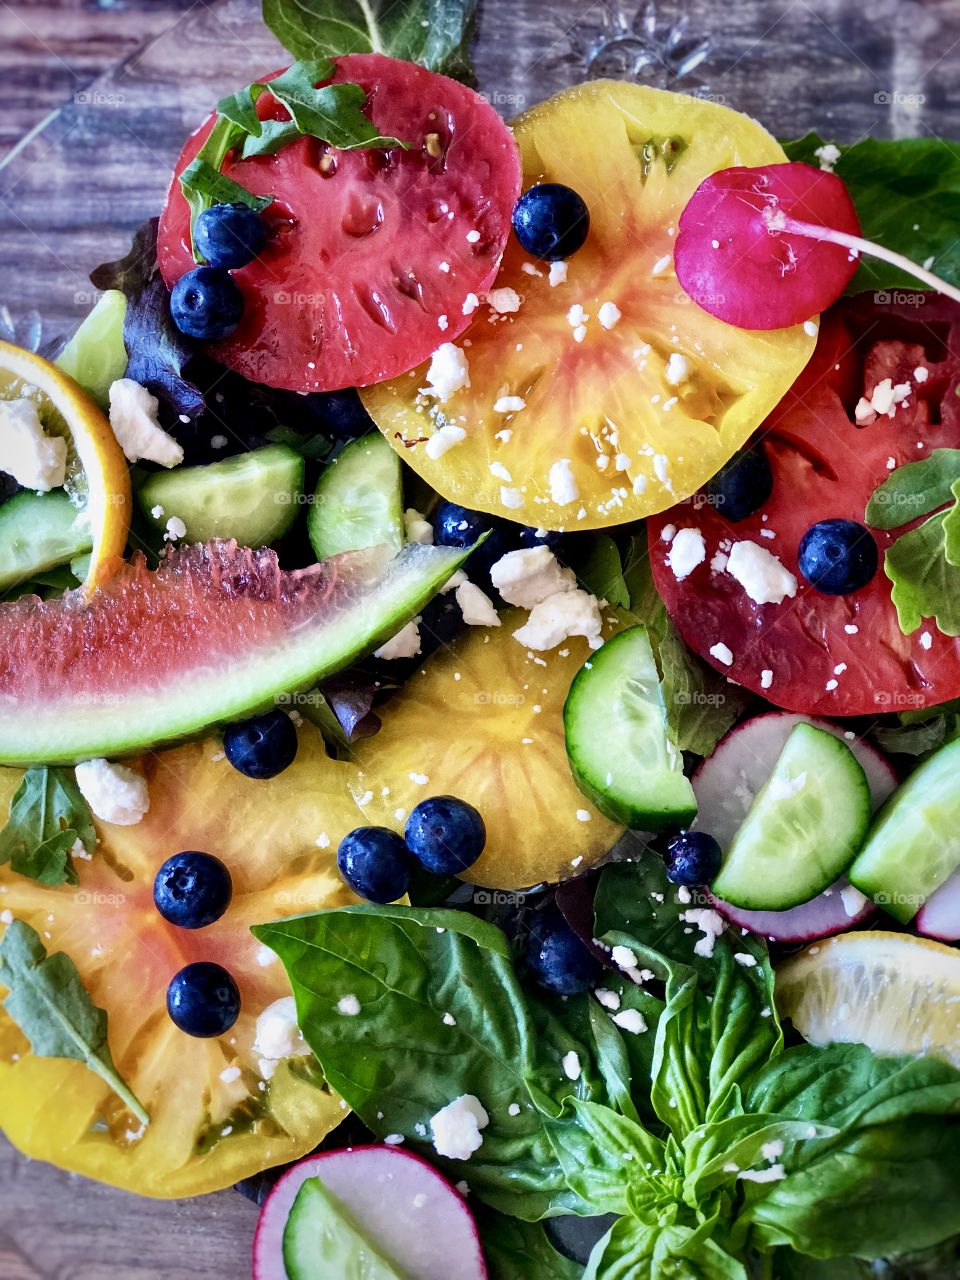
x,y
479,685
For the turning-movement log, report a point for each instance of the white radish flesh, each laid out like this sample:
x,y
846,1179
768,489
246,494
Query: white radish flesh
x,y
404,1207
725,786
939,917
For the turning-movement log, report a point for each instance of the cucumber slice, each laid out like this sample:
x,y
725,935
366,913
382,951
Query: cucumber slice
x,y
253,497
914,845
321,1239
803,829
359,500
617,743
37,532
95,356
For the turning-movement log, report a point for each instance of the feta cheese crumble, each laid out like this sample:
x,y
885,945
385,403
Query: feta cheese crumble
x,y
609,315
760,573
476,606
278,1036
558,274
133,420
504,301
710,924
677,369
349,1006
114,793
827,156
631,1020
569,613
449,372
35,460
530,575
175,530
571,1065
722,652
687,550
405,644
456,1127
563,485
509,404
417,527
443,440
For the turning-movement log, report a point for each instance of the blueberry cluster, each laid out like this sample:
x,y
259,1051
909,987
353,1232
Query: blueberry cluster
x,y
206,303
443,834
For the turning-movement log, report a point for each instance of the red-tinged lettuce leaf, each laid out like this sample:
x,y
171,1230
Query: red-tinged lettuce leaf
x,y
157,351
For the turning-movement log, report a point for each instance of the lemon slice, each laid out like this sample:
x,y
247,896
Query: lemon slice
x,y
897,994
97,476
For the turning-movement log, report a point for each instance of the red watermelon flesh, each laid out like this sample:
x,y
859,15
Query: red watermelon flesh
x,y
215,633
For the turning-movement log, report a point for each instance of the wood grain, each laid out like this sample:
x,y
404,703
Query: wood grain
x,y
70,198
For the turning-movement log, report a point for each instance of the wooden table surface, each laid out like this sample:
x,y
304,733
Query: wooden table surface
x,y
96,98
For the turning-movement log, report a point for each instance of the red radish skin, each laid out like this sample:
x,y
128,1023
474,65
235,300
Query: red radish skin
x,y
939,917
726,784
738,267
373,253
436,1239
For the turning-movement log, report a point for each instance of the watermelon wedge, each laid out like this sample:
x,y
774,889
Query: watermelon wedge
x,y
216,633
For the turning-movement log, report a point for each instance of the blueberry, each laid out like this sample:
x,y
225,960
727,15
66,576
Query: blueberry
x,y
445,835
693,858
838,556
203,1000
341,413
206,304
456,526
556,957
742,486
375,863
229,235
551,221
261,747
192,889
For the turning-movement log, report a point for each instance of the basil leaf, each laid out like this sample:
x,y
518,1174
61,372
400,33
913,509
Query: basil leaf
x,y
615,1165
516,1250
601,573
925,583
408,968
907,197
435,33
158,352
48,815
886,1180
48,1002
333,113
634,1250
700,703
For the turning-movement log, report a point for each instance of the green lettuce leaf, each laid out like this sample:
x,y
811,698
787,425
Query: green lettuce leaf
x,y
907,196
408,968
49,1003
434,33
48,815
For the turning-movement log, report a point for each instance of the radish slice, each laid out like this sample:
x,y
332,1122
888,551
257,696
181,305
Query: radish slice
x,y
405,1208
737,266
725,786
939,917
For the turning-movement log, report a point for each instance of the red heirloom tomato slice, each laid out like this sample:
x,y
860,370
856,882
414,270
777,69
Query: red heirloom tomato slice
x,y
372,252
815,653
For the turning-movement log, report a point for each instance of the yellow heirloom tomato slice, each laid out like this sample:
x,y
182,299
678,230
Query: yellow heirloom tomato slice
x,y
210,1124
607,395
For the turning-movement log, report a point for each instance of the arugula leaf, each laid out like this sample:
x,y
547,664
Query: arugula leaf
x,y
435,33
408,967
158,352
701,704
48,815
48,1002
896,186
333,113
920,738
924,563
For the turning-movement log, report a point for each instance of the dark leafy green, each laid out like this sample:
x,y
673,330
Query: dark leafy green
x,y
48,816
701,704
48,1002
718,1149
158,353
435,33
408,968
517,1250
601,572
907,196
